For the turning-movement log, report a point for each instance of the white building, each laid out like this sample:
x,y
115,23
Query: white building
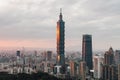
x,y
97,66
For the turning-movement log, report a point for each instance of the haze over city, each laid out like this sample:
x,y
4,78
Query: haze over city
x,y
32,23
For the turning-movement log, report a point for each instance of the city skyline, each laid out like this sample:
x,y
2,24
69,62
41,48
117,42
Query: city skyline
x,y
32,23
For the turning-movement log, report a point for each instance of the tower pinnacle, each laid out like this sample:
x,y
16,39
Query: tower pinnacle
x,y
60,16
60,40
60,10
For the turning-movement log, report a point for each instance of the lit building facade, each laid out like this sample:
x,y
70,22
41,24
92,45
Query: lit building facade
x,y
60,41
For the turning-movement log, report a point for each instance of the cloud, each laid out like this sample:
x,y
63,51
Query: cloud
x,y
36,19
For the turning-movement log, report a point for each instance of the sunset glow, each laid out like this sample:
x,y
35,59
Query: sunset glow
x,y
28,43
58,34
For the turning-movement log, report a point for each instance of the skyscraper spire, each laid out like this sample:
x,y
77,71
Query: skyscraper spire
x,y
60,16
60,10
60,40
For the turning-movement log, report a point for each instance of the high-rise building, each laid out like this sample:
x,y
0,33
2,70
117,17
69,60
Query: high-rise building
x,y
117,57
82,69
47,55
109,57
60,40
109,72
18,57
118,71
18,53
104,74
73,69
109,69
98,60
87,50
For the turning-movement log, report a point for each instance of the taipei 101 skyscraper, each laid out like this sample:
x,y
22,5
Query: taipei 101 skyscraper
x,y
60,40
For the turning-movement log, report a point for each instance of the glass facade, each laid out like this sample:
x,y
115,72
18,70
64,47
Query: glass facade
x,y
60,41
87,51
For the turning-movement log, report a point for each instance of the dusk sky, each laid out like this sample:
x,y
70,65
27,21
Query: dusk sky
x,y
32,23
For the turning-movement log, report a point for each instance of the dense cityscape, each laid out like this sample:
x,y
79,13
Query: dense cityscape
x,y
85,65
83,44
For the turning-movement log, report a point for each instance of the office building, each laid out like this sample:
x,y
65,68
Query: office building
x,y
60,41
117,57
87,50
82,69
118,71
18,53
109,57
109,69
98,60
109,72
73,69
47,55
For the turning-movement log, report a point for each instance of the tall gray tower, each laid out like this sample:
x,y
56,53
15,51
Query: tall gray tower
x,y
60,40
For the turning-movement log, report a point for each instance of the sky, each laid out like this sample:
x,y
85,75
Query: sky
x,y
32,23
